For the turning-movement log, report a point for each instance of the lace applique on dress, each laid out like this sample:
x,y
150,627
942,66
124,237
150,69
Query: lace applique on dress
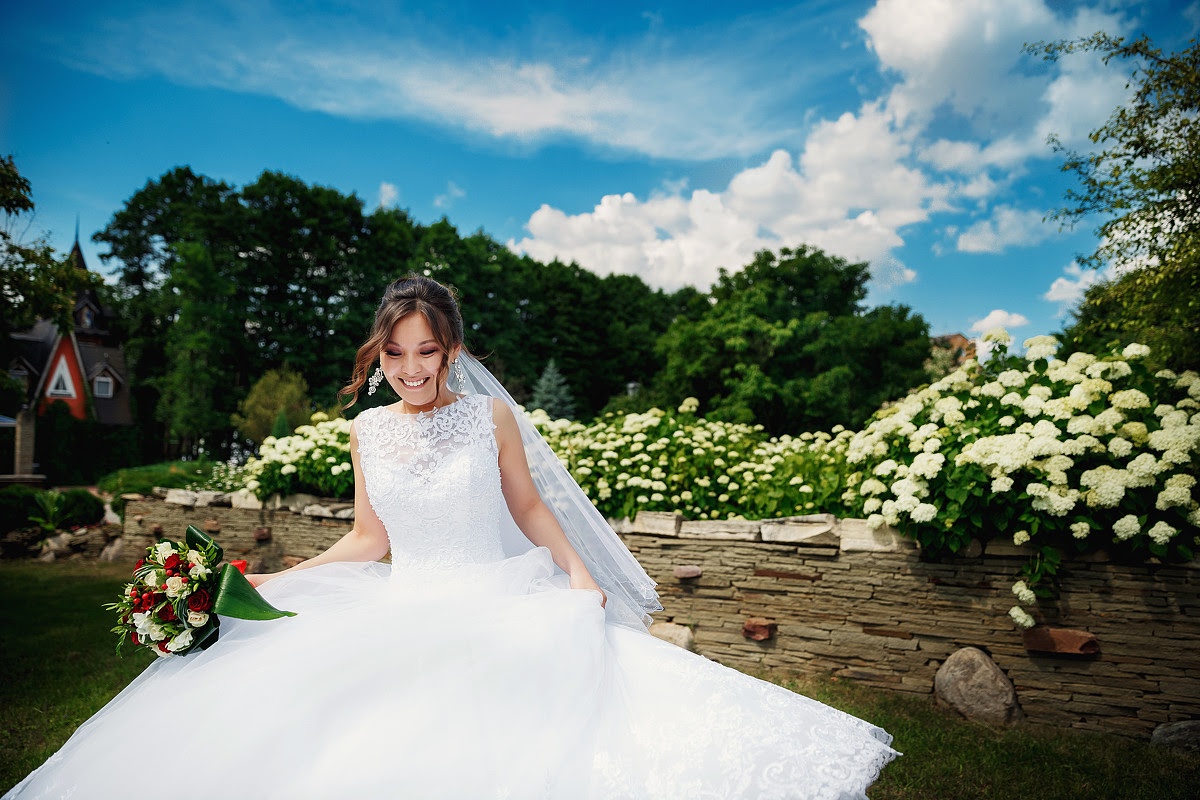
x,y
434,481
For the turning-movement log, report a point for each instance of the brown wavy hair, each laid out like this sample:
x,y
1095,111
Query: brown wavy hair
x,y
412,294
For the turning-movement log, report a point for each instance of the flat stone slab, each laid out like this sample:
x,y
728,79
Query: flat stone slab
x,y
743,530
856,537
811,530
244,498
181,497
656,523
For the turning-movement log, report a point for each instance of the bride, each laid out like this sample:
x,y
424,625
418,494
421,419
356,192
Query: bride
x,y
502,654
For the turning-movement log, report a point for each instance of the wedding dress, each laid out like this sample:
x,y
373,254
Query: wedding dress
x,y
456,672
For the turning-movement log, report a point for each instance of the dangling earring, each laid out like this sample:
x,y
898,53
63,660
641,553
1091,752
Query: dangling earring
x,y
460,377
373,381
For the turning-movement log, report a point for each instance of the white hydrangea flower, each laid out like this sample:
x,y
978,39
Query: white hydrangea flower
x,y
932,445
1064,374
872,505
875,521
1106,421
1080,530
1002,484
1080,361
885,467
1166,374
1021,617
1032,405
1007,421
927,465
1127,527
924,512
1120,447
1161,532
1037,490
1012,378
1024,593
1130,398
1135,350
872,486
998,335
1040,347
1012,399
1107,486
992,389
1020,538
1058,502
1144,466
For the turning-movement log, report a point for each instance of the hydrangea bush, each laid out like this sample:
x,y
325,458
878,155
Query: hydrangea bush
x,y
704,469
314,459
1062,456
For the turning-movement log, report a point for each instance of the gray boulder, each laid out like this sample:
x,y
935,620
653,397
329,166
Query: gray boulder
x,y
971,683
1183,735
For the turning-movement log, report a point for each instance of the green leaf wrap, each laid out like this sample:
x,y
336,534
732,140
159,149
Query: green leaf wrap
x,y
200,541
237,597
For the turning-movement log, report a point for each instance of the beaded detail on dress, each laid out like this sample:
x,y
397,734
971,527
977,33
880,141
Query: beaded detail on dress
x,y
434,481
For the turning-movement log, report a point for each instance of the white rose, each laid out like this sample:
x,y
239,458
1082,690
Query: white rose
x,y
164,550
174,586
197,619
180,642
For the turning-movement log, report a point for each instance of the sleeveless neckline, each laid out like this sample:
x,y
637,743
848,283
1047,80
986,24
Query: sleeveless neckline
x,y
422,414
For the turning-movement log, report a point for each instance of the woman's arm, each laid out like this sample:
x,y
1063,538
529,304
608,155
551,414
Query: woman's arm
x,y
532,516
366,541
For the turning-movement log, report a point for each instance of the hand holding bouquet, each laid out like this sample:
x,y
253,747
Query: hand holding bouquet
x,y
177,592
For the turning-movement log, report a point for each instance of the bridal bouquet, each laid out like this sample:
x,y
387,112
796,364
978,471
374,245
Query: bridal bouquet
x,y
178,590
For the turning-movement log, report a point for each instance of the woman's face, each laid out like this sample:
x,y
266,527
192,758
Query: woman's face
x,y
411,360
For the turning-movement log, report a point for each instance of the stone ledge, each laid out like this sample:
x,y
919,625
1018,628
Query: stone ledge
x,y
740,530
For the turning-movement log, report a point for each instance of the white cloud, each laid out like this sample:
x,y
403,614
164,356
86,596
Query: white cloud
x,y
388,194
699,93
999,318
1068,290
1007,227
447,198
849,193
964,59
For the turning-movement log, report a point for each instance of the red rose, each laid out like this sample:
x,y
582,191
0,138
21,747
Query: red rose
x,y
163,646
239,565
133,637
138,565
199,601
172,561
167,613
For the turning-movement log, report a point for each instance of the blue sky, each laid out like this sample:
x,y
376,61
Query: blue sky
x,y
665,140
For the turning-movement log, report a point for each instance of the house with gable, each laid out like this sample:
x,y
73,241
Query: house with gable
x,y
83,367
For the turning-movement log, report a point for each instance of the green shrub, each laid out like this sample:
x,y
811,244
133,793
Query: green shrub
x,y
81,507
17,505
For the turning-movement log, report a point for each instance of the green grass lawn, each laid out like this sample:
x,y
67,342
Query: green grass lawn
x,y
58,666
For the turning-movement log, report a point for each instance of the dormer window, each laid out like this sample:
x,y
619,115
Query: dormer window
x,y
102,387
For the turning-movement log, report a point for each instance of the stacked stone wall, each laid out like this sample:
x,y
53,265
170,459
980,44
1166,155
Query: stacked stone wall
x,y
835,598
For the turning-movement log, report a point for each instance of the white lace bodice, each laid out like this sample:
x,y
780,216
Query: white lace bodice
x,y
434,480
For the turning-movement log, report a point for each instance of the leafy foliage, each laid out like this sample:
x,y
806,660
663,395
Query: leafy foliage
x,y
34,282
785,342
277,403
1141,183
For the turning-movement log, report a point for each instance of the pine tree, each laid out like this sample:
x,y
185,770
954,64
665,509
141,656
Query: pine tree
x,y
552,395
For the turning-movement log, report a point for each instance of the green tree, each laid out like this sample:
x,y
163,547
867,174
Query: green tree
x,y
34,282
1143,183
785,342
552,394
278,393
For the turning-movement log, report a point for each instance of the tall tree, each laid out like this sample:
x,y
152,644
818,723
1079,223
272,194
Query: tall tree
x,y
785,342
1142,181
34,282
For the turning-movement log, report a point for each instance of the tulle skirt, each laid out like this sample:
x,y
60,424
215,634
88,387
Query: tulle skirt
x,y
489,681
